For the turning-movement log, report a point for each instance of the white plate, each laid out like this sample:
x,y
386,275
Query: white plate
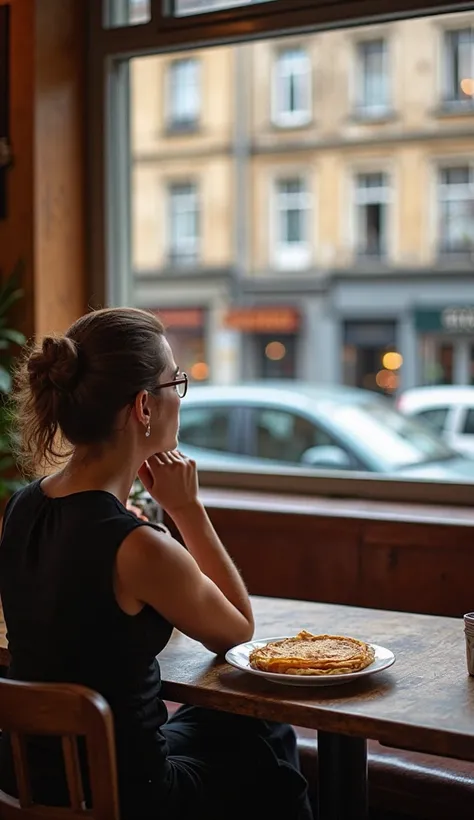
x,y
239,657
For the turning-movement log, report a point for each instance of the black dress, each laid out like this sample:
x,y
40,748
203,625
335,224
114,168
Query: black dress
x,y
57,558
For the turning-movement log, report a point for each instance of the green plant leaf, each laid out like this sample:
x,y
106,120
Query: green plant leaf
x,y
14,336
9,299
5,380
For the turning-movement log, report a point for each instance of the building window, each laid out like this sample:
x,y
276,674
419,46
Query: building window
x,y
292,247
371,200
372,99
184,224
458,69
456,210
184,95
292,88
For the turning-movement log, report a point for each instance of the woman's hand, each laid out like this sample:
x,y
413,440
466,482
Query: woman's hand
x,y
171,479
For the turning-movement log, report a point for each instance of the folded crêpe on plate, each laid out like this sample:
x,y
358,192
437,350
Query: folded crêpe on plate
x,y
308,654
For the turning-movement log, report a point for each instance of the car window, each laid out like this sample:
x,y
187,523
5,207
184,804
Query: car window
x,y
206,427
393,439
284,436
468,429
436,417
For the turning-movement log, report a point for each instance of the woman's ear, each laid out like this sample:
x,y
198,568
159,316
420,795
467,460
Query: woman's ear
x,y
142,407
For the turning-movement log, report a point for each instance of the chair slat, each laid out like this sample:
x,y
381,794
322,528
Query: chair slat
x,y
73,772
20,763
66,711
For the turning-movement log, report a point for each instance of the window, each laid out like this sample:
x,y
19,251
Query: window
x,y
292,88
468,429
208,428
458,68
284,436
456,209
126,12
185,7
371,198
372,78
249,223
436,417
184,95
292,249
184,224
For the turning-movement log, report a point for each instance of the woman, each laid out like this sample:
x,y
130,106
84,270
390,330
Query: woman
x,y
91,593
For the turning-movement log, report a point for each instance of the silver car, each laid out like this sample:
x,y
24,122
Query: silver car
x,y
325,428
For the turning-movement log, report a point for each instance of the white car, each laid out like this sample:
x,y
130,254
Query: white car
x,y
277,424
448,409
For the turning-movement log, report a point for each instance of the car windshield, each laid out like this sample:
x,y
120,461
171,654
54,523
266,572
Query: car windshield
x,y
388,436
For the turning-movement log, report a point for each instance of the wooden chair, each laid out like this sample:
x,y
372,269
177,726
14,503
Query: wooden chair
x,y
66,711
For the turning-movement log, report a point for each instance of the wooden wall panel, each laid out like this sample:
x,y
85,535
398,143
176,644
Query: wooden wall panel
x,y
17,231
292,556
59,151
45,221
360,560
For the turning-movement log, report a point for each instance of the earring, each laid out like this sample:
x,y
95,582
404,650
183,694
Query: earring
x,y
148,430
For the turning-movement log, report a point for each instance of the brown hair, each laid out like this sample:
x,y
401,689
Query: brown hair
x,y
69,389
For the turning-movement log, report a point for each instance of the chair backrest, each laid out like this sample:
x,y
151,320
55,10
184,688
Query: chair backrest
x,y
68,712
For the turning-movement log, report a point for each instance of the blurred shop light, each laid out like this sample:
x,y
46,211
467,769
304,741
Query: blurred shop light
x,y
199,371
392,360
387,380
276,351
467,86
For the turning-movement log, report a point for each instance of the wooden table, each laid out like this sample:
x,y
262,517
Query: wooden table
x,y
425,702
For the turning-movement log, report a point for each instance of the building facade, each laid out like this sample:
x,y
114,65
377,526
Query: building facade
x,y
304,207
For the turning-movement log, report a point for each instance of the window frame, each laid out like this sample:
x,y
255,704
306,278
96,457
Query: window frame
x,y
108,48
175,125
174,258
460,162
449,101
287,256
357,173
298,118
361,109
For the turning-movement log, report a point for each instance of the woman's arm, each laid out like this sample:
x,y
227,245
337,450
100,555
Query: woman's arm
x,y
156,570
199,591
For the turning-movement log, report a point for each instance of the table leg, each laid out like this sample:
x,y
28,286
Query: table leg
x,y
342,764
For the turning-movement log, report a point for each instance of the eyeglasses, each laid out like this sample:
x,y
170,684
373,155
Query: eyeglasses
x,y
180,384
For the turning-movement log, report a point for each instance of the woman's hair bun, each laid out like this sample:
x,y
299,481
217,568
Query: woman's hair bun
x,y
56,362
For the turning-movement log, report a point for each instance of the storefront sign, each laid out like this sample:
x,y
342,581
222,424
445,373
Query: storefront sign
x,y
263,320
184,318
458,319
449,320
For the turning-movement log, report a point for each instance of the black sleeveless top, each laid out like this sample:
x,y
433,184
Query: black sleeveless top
x,y
57,558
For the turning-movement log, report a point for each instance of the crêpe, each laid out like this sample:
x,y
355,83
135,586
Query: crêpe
x,y
308,654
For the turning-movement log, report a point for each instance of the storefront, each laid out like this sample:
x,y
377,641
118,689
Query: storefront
x,y
370,356
418,327
270,341
186,333
446,344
